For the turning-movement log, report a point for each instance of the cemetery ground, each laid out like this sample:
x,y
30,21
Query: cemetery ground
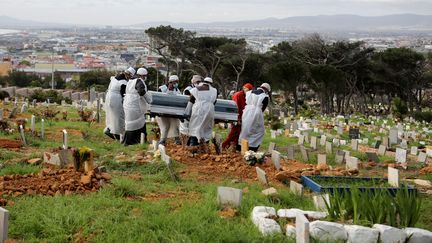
x,y
140,200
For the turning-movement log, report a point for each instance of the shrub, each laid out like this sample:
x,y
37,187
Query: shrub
x,y
423,116
53,95
400,109
3,94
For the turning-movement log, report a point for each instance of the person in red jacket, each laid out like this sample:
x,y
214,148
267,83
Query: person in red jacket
x,y
240,99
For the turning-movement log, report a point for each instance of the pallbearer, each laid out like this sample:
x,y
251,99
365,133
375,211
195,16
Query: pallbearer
x,y
135,106
240,99
115,117
169,126
184,126
252,127
203,98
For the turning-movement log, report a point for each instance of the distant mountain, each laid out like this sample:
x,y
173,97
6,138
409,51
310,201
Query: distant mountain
x,y
321,22
9,22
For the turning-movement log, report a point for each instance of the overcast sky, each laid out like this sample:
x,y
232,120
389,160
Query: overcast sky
x,y
125,12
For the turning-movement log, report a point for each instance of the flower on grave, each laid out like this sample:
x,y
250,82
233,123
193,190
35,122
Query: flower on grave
x,y
157,154
252,157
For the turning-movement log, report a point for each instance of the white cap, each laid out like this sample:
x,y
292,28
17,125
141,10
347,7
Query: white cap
x,y
208,80
173,78
142,71
196,78
266,86
130,70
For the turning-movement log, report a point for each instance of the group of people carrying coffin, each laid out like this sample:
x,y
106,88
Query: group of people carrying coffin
x,y
127,100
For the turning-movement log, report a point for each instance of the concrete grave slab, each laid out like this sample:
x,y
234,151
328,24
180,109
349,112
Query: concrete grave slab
x,y
229,195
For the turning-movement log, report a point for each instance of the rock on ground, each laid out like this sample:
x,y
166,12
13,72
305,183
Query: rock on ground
x,y
360,234
327,231
269,226
390,234
416,235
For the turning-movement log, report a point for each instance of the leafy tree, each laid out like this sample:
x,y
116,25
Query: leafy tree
x,y
95,77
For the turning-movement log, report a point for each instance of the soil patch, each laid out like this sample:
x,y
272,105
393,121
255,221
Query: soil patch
x,y
51,181
10,144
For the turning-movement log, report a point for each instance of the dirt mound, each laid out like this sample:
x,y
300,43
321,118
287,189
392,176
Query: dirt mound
x,y
11,144
52,182
231,165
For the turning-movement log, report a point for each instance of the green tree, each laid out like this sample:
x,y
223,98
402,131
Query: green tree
x,y
95,77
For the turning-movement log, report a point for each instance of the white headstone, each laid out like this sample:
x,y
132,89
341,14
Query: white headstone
x,y
323,140
422,157
351,163
381,150
42,128
393,177
339,157
33,118
404,144
271,147
301,140
155,145
393,136
296,188
304,153
414,150
275,156
329,148
4,224
262,176
320,201
273,134
401,155
229,195
302,229
142,138
290,152
65,139
354,144
322,159
313,142
21,128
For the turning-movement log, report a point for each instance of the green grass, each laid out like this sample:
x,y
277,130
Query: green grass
x,y
19,168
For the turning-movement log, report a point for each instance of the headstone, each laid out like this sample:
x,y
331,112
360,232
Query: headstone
x,y
352,163
376,144
329,148
13,113
290,152
304,153
393,136
33,118
306,137
422,157
287,132
1,114
34,102
339,157
320,201
354,144
4,224
262,176
323,140
382,149
65,139
98,106
302,229
414,150
393,177
142,138
42,128
273,134
313,142
386,141
339,130
354,133
336,142
372,157
296,188
92,97
155,145
294,126
301,140
275,156
229,195
21,128
244,146
24,108
322,159
401,155
271,147
365,141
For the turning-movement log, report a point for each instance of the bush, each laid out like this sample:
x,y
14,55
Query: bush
x,y
53,95
423,116
400,109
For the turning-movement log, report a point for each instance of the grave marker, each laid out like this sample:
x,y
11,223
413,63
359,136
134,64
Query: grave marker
x,y
65,139
302,229
401,155
271,147
414,150
244,146
155,145
4,224
33,118
21,128
320,201
422,157
393,177
393,136
273,134
301,140
376,144
323,140
142,138
352,163
386,141
42,129
313,142
339,158
329,148
339,130
24,108
287,132
354,133
372,157
1,114
382,149
322,159
404,144
290,151
262,176
354,144
296,188
13,113
275,156
304,153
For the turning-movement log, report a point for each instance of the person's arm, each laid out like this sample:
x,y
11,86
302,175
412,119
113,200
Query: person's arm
x,y
265,103
140,87
192,99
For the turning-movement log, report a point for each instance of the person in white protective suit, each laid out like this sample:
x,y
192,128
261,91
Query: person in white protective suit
x,y
252,127
184,126
135,106
114,113
203,98
169,126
